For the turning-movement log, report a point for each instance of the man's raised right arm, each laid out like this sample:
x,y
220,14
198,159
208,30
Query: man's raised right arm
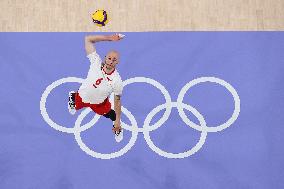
x,y
91,39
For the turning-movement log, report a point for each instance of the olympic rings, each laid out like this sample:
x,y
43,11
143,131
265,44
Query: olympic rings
x,y
147,128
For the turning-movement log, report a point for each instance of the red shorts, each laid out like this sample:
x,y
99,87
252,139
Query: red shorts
x,y
100,109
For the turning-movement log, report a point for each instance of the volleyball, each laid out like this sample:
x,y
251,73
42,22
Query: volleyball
x,y
100,18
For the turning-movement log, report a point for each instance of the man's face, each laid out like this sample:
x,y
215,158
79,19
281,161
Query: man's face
x,y
112,58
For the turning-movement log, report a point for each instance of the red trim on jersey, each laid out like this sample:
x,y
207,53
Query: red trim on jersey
x,y
110,72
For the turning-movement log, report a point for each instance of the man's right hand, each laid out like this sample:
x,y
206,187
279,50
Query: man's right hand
x,y
116,37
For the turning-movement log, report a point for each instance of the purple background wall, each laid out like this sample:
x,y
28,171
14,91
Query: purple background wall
x,y
249,154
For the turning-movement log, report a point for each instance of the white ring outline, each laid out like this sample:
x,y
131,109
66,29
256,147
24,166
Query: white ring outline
x,y
92,153
167,98
221,82
45,114
185,154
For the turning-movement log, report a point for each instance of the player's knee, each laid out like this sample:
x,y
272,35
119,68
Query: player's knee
x,y
112,115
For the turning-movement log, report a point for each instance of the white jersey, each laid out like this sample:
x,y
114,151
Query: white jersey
x,y
99,85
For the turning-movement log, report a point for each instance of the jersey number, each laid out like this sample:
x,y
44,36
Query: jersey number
x,y
98,82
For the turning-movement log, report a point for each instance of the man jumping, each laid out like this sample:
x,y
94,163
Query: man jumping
x,y
101,81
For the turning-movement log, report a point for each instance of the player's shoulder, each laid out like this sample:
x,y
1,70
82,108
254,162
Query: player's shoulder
x,y
93,54
94,57
117,75
116,78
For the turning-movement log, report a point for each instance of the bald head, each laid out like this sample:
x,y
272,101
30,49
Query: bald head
x,y
111,59
113,53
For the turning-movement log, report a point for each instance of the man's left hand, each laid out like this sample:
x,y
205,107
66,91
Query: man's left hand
x,y
117,126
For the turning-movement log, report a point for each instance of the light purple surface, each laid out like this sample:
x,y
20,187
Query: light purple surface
x,y
249,154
